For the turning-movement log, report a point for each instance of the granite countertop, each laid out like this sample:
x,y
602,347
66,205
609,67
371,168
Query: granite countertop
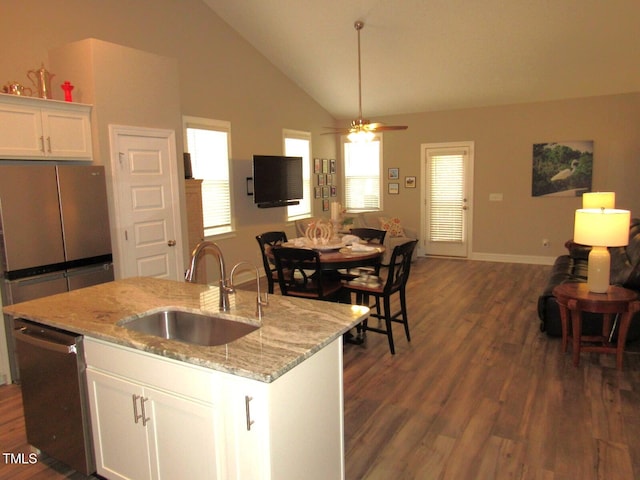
x,y
292,329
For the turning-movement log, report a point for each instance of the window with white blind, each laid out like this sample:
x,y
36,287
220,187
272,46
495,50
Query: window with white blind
x,y
362,175
209,143
298,144
446,191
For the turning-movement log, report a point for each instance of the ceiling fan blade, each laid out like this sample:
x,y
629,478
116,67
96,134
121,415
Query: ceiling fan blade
x,y
381,128
338,131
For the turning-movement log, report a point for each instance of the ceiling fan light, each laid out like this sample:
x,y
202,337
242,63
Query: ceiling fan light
x,y
361,136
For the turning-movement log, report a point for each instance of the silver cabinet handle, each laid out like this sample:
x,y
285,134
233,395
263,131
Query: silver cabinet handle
x,y
136,417
42,144
171,243
49,143
247,408
145,419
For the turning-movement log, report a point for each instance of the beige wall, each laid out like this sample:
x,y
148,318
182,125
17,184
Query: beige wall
x,y
220,76
503,139
209,71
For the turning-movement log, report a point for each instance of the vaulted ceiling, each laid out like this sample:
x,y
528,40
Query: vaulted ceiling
x,y
427,55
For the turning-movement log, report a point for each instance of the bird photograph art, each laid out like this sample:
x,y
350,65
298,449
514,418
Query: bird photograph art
x,y
562,169
566,173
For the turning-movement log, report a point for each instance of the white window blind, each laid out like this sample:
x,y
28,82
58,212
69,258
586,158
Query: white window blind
x,y
446,194
208,143
298,144
362,167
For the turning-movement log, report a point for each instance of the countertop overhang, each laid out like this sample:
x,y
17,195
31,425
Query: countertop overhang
x,y
291,330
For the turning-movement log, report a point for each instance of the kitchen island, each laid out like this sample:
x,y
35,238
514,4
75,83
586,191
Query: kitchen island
x,y
268,405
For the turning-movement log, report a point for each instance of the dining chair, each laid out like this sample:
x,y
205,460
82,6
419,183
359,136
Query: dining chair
x,y
267,242
369,235
300,275
395,283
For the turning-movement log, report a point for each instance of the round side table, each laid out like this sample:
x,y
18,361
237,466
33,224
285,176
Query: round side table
x,y
576,298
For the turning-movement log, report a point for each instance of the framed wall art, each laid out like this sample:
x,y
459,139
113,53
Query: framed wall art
x,y
394,174
394,188
562,169
409,182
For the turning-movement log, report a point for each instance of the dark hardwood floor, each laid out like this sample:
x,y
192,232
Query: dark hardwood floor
x,y
479,393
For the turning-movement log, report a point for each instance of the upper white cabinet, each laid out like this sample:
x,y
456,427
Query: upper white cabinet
x,y
38,129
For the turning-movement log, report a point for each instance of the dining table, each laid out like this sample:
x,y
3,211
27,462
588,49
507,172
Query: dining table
x,y
339,256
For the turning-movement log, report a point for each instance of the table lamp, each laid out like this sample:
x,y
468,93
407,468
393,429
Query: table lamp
x,y
599,200
601,228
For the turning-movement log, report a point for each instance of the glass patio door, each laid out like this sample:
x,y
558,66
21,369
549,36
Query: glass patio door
x,y
447,170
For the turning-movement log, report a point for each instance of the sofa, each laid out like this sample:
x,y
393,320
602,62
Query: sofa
x,y
572,267
396,232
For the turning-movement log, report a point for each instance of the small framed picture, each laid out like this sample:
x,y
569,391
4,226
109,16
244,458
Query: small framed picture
x,y
325,205
329,179
325,165
317,165
332,165
394,173
325,192
320,179
394,188
317,192
334,191
409,182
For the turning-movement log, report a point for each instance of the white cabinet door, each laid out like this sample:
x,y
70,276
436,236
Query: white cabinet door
x,y
67,134
297,428
154,418
120,442
247,424
21,132
38,129
183,434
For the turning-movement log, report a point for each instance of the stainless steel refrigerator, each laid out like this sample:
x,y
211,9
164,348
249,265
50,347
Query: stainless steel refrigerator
x,y
54,233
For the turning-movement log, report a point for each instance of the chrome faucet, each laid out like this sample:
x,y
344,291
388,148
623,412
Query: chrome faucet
x,y
259,301
226,287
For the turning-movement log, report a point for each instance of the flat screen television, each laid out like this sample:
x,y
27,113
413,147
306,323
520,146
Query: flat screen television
x,y
277,180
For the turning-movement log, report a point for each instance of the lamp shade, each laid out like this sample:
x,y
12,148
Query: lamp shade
x,y
602,227
599,200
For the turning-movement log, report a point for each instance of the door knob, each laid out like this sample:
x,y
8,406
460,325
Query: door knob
x,y
171,243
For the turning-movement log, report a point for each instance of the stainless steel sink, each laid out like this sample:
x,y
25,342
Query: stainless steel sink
x,y
189,327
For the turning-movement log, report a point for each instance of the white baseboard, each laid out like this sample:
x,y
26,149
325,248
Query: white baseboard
x,y
505,258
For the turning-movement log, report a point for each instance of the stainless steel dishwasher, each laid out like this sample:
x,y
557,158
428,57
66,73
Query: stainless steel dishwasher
x,y
54,393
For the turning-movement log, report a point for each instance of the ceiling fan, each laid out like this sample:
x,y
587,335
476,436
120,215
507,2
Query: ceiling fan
x,y
362,129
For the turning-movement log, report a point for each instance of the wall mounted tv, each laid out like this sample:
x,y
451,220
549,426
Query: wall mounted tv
x,y
277,180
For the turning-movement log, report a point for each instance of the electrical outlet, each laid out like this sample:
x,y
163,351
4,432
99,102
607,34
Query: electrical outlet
x,y
545,242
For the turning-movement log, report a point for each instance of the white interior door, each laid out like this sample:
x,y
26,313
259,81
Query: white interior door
x,y
145,177
447,173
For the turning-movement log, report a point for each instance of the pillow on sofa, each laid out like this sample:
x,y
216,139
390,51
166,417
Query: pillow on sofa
x,y
392,226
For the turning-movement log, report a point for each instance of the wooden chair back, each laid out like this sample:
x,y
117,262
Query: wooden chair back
x,y
267,241
300,274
